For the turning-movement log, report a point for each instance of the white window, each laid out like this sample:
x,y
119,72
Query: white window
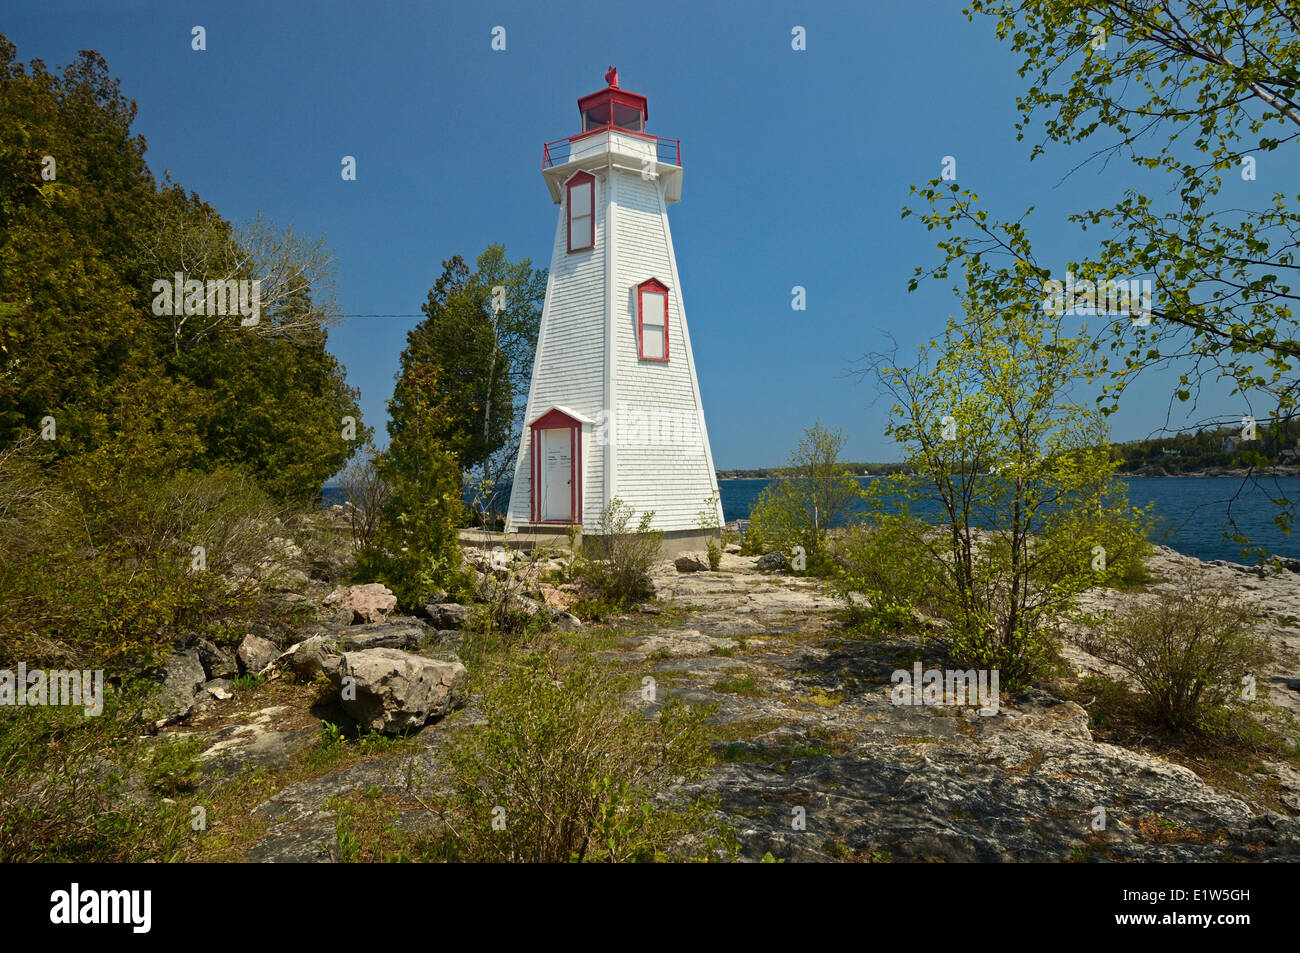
x,y
582,205
652,321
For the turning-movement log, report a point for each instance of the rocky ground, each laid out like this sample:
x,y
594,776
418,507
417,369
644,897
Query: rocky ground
x,y
815,761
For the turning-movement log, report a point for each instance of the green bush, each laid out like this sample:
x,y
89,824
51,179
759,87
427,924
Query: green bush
x,y
172,766
67,791
890,561
1189,647
617,558
570,772
751,544
101,573
707,520
415,548
715,554
812,493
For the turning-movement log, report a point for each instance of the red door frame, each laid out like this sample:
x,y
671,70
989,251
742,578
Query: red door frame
x,y
557,420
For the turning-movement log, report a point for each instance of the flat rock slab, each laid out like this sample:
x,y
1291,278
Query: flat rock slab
x,y
681,642
256,742
303,826
876,780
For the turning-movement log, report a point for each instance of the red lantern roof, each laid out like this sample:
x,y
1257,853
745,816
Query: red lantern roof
x,y
613,107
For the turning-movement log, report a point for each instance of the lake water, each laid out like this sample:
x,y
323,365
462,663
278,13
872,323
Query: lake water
x,y
1191,511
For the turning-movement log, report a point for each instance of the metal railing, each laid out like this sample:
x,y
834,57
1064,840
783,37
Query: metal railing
x,y
558,152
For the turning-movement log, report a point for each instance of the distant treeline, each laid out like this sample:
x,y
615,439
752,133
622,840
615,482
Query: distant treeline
x,y
767,473
1275,443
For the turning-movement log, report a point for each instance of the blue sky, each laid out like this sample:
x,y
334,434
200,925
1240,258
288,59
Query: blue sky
x,y
796,165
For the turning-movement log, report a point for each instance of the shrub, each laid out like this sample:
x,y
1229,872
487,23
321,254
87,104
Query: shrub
x,y
570,773
891,561
366,495
616,561
751,544
61,800
1189,647
172,766
812,493
98,572
707,520
416,549
714,553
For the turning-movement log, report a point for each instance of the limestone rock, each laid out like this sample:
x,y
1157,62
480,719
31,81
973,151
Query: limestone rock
x,y
559,597
220,689
218,661
447,615
314,656
771,562
396,692
371,602
256,653
182,678
691,562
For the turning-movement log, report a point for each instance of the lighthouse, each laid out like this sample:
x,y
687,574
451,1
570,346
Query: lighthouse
x,y
614,407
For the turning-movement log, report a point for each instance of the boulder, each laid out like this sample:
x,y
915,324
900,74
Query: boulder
x,y
388,635
447,615
288,580
565,621
691,562
394,692
771,562
182,678
371,602
256,653
220,688
314,656
731,549
219,661
559,597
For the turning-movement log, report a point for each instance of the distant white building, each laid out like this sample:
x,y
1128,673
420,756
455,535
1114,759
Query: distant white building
x,y
614,406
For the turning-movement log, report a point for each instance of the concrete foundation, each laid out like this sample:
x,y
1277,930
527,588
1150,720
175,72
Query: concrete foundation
x,y
527,538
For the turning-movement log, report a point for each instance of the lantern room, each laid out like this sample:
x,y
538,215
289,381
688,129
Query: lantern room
x,y
613,134
613,107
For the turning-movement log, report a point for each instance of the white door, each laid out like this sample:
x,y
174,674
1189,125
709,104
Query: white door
x,y
557,475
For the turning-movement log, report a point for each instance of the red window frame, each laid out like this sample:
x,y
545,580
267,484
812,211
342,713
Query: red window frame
x,y
578,180
657,287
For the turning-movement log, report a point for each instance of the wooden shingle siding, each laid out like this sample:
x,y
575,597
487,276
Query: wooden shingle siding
x,y
668,469
667,466
569,366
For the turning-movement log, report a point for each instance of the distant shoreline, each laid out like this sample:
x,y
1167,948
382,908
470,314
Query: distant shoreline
x,y
1147,471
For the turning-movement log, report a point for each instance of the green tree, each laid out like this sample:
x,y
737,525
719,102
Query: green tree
x,y
476,344
815,491
415,549
1196,96
1022,474
79,253
515,326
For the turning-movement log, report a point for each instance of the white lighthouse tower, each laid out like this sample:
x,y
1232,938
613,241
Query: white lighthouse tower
x,y
614,406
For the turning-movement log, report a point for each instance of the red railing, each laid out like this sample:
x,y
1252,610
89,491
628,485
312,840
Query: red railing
x,y
558,152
